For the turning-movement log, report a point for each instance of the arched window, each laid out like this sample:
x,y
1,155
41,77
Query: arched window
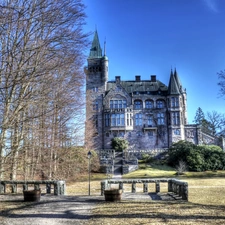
x,y
160,104
138,104
148,104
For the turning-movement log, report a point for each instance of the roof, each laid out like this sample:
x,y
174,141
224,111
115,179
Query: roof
x,y
95,51
139,86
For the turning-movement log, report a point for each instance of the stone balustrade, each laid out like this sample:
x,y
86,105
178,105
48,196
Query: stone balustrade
x,y
175,186
59,186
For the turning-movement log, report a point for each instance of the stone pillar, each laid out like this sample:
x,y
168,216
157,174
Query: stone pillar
x,y
121,185
145,187
170,186
14,188
157,187
2,188
48,188
133,188
103,187
185,191
25,187
36,186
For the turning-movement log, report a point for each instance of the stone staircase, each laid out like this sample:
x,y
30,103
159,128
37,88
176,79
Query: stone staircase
x,y
118,163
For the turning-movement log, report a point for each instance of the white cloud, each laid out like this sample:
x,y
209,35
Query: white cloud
x,y
211,5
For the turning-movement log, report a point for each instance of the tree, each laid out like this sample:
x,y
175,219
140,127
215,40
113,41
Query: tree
x,y
119,144
217,121
199,116
41,81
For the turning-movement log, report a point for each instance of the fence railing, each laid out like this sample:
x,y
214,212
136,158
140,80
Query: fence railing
x,y
175,186
58,185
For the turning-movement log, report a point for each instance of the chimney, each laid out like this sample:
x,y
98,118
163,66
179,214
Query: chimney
x,y
153,78
117,79
137,78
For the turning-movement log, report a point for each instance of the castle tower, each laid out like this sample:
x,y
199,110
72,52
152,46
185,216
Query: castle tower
x,y
177,112
96,80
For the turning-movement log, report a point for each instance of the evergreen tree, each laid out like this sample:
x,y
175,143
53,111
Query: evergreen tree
x,y
199,116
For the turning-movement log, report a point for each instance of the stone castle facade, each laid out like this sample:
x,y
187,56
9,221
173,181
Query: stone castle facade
x,y
148,113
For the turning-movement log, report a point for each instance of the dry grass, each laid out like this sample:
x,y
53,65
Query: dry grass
x,y
206,205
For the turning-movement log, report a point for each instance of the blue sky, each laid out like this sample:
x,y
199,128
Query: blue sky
x,y
146,37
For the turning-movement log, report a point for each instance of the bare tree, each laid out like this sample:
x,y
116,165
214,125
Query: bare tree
x,y
41,55
217,121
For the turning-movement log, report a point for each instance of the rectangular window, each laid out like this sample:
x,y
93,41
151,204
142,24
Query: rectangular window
x,y
150,133
107,119
117,119
124,104
149,120
118,104
138,119
174,102
95,89
160,119
128,120
111,104
176,118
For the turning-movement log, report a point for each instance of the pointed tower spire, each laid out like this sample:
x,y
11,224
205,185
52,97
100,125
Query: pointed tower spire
x,y
173,88
95,51
177,79
105,47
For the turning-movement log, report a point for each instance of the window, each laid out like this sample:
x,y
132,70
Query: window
x,y
176,118
121,134
150,133
174,102
177,132
149,120
128,120
160,119
138,119
160,104
148,104
138,104
95,106
118,104
117,119
107,120
95,89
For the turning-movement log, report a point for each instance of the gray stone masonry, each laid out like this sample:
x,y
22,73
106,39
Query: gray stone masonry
x,y
59,186
176,187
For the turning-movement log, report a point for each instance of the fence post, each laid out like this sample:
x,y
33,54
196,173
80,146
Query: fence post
x,y
145,187
133,188
157,187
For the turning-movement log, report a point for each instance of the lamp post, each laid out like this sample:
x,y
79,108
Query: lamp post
x,y
89,172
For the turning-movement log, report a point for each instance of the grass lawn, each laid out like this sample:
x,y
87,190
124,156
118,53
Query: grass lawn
x,y
206,203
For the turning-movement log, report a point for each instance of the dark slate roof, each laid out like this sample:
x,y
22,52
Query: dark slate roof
x,y
139,86
95,51
173,88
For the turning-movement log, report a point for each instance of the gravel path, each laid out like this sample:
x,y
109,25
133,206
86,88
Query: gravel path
x,y
57,210
51,210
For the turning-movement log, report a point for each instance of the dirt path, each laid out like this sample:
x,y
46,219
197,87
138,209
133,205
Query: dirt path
x,y
51,210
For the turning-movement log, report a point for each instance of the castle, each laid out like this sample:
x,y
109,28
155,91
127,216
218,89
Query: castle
x,y
148,113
